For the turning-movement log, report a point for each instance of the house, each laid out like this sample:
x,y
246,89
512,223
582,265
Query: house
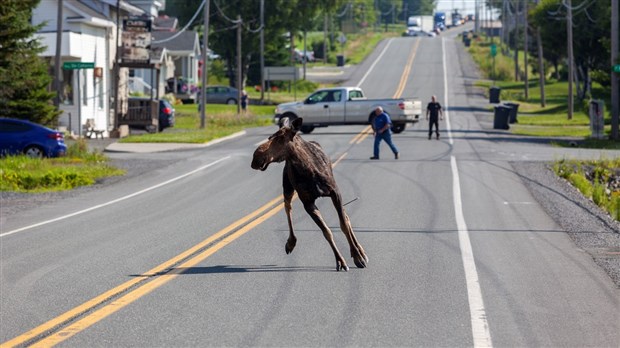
x,y
88,50
184,49
88,36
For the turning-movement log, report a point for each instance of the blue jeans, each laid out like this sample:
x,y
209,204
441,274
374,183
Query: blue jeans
x,y
387,137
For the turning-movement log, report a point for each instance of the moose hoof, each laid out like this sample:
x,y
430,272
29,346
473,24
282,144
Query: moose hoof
x,y
342,266
289,247
360,262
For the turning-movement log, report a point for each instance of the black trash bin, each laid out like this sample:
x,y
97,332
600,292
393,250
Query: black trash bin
x,y
513,112
494,94
340,60
502,115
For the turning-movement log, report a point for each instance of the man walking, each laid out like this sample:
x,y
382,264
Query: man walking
x,y
434,109
382,125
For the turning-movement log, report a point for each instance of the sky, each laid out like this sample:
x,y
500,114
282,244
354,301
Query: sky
x,y
465,7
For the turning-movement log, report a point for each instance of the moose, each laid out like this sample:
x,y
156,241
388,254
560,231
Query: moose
x,y
307,171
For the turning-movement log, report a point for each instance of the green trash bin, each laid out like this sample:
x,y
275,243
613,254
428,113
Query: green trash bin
x,y
513,112
502,115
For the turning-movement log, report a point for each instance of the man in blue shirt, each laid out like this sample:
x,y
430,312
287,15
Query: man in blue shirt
x,y
382,126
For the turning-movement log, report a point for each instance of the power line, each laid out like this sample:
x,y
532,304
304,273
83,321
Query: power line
x,y
184,28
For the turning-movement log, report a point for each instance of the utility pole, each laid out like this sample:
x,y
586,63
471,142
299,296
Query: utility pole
x,y
57,67
117,69
615,77
262,51
205,58
569,31
239,67
516,38
525,48
541,68
325,38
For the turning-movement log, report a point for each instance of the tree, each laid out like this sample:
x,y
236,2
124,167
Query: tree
x,y
591,46
24,76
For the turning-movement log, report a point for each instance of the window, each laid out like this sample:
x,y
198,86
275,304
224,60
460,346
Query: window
x,y
84,90
99,83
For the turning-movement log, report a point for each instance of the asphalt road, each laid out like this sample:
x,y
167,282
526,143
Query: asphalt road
x,y
190,252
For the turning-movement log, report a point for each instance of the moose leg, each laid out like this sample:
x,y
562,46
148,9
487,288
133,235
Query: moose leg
x,y
357,252
288,198
314,212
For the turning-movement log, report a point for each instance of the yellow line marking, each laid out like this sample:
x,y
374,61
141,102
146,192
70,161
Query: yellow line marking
x,y
145,289
403,78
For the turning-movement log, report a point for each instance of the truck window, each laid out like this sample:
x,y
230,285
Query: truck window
x,y
355,94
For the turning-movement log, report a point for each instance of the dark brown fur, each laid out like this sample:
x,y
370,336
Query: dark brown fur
x,y
307,171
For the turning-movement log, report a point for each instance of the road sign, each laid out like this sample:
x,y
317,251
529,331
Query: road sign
x,y
78,65
617,68
281,73
493,50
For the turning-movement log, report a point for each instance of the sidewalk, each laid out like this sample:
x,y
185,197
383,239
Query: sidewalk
x,y
113,145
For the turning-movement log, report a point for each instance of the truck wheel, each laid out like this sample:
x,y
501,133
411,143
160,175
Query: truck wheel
x,y
307,129
399,127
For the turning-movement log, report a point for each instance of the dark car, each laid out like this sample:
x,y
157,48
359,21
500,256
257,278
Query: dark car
x,y
166,114
222,95
24,137
140,106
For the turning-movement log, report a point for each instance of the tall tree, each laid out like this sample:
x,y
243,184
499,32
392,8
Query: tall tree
x,y
24,76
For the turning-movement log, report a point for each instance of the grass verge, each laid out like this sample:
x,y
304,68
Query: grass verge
x,y
598,180
33,175
221,121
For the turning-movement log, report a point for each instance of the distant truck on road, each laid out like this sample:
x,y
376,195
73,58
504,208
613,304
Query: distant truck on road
x,y
439,20
419,24
347,106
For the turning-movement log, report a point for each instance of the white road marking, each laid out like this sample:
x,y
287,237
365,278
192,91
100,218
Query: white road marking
x,y
115,200
375,63
479,325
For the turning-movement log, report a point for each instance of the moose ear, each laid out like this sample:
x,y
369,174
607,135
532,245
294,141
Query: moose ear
x,y
296,126
284,122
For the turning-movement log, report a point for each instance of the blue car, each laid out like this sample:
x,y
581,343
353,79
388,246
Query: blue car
x,y
20,137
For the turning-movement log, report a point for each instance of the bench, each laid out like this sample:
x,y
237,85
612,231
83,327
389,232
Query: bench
x,y
90,129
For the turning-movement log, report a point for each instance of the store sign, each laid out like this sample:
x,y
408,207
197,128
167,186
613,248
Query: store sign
x,y
136,41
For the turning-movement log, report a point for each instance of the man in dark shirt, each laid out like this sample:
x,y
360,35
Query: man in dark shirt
x,y
434,109
382,128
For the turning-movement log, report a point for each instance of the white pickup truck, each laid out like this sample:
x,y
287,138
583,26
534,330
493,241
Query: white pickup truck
x,y
346,106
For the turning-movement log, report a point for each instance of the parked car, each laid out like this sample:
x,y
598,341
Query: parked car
x,y
222,95
300,56
166,116
24,137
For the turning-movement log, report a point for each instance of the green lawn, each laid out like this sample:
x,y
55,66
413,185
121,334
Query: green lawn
x,y
220,121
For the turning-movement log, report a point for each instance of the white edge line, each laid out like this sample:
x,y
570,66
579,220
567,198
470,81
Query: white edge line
x,y
445,91
375,63
479,324
115,200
